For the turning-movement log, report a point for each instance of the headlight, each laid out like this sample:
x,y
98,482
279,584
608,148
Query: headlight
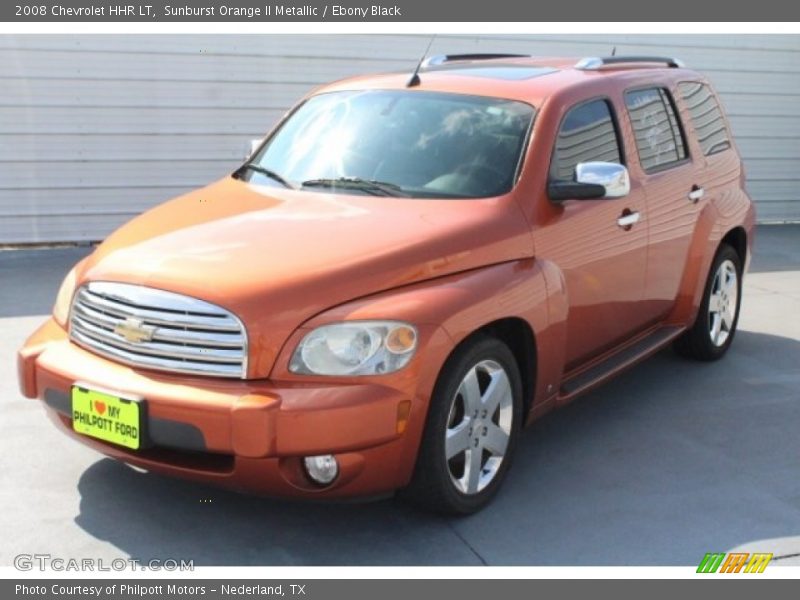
x,y
64,299
355,348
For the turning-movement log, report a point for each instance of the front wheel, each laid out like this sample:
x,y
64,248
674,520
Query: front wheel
x,y
713,331
471,432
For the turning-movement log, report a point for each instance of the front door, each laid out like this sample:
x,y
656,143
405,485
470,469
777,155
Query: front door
x,y
600,246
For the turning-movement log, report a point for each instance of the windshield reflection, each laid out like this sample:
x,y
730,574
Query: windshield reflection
x,y
418,144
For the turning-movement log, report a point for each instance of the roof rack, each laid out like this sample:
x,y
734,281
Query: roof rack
x,y
591,63
440,59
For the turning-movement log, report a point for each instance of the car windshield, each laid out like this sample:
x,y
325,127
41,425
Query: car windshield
x,y
398,143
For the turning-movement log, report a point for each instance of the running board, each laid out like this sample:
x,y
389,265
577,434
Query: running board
x,y
620,360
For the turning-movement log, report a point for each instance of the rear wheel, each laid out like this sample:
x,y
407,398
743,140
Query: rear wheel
x,y
472,429
713,331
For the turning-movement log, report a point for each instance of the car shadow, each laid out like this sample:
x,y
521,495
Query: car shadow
x,y
668,462
147,516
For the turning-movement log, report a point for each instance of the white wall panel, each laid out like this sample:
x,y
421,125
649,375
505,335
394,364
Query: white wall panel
x,y
96,128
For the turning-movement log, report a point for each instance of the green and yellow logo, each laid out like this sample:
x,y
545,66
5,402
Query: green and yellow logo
x,y
734,562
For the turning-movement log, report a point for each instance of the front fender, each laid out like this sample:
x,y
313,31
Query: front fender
x,y
446,311
461,304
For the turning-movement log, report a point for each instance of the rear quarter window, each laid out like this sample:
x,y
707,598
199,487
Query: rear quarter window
x,y
658,134
706,115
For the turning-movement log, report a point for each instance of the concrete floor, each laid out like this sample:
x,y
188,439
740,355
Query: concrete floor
x,y
671,461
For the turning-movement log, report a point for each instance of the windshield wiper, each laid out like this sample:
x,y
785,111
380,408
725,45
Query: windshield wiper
x,y
376,188
268,172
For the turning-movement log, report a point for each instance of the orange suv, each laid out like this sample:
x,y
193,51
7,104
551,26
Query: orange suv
x,y
407,270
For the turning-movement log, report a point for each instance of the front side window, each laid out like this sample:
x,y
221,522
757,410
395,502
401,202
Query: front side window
x,y
587,133
712,133
659,138
404,143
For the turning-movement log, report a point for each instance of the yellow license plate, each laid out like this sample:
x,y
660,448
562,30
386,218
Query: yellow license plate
x,y
106,417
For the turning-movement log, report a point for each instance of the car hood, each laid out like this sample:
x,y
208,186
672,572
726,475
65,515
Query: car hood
x,y
277,257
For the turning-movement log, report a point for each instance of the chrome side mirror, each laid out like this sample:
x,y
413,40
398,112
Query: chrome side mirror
x,y
252,146
612,176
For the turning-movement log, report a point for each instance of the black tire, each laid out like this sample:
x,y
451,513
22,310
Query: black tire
x,y
432,486
696,342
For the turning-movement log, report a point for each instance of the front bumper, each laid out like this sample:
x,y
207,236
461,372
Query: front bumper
x,y
247,435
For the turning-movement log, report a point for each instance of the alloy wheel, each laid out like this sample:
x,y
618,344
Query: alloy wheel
x,y
722,303
479,427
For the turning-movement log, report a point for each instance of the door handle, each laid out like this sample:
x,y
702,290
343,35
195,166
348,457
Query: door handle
x,y
628,220
696,193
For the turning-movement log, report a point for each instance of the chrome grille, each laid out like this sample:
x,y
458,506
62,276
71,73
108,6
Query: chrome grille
x,y
155,329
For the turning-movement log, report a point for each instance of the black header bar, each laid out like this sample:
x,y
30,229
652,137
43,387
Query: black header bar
x,y
471,11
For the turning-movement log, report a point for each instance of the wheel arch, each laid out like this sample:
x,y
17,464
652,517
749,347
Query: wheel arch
x,y
737,239
518,335
706,242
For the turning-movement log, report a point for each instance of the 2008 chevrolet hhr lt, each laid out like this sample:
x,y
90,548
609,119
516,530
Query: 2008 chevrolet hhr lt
x,y
402,274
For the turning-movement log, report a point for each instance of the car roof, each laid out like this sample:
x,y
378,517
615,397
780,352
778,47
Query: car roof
x,y
525,78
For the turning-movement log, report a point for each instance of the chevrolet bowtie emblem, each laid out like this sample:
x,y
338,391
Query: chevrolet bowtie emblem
x,y
134,330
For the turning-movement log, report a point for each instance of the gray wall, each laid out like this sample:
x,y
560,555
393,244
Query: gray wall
x,y
94,129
